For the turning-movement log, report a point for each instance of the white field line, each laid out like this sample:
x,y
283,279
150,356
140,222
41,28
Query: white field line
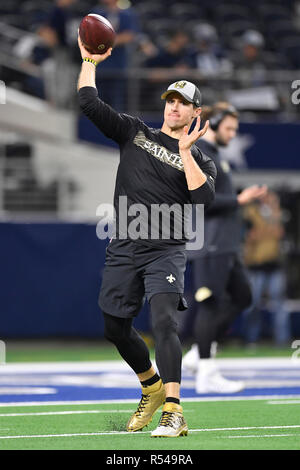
x,y
132,400
97,366
113,433
27,391
259,436
50,413
80,412
283,402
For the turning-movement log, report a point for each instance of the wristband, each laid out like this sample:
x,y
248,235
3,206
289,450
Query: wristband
x,y
92,61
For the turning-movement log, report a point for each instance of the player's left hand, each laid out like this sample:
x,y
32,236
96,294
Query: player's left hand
x,y
187,140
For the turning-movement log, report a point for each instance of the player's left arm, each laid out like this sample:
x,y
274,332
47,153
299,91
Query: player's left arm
x,y
200,181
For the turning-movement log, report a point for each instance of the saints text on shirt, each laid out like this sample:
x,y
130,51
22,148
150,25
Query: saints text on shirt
x,y
159,152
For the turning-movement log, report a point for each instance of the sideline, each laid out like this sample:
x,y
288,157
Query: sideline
x,y
118,433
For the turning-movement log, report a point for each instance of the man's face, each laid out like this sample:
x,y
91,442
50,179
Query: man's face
x,y
250,52
226,131
180,40
179,112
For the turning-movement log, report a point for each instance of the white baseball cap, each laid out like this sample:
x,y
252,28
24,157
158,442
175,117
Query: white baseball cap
x,y
188,90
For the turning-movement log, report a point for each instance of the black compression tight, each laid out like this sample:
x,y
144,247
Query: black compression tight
x,y
129,343
133,349
168,352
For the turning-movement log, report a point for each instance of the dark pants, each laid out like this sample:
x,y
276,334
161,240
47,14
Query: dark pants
x,y
222,291
273,284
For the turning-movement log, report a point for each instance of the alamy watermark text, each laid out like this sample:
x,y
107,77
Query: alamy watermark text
x,y
154,222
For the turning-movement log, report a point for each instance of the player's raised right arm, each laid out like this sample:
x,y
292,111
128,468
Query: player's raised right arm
x,y
114,125
87,76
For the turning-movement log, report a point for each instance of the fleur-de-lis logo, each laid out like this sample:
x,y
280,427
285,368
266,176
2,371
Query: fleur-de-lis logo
x,y
171,278
180,84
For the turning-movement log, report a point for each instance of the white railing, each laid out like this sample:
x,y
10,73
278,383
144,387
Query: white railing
x,y
23,195
142,87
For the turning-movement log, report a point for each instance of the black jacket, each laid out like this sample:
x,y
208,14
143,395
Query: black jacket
x,y
150,172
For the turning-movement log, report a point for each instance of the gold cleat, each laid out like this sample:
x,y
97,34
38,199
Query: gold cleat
x,y
172,422
153,397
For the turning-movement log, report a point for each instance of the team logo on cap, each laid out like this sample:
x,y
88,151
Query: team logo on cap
x,y
179,84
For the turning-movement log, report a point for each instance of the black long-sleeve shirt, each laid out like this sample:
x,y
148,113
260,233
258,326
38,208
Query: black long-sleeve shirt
x,y
150,171
222,228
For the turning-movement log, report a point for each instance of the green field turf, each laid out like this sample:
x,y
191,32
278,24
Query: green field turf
x,y
40,351
270,426
102,426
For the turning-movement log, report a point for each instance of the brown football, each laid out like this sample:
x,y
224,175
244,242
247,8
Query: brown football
x,y
96,33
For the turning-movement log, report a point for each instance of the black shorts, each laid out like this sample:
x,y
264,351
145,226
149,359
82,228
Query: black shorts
x,y
134,271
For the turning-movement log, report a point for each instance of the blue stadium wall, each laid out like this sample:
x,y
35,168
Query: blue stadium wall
x,y
50,278
273,146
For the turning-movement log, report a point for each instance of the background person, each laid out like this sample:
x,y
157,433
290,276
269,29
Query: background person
x,y
264,258
60,71
222,289
111,78
209,57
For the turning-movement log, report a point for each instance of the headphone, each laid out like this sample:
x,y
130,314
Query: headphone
x,y
215,121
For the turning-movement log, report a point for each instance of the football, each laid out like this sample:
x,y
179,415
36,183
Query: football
x,y
96,34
